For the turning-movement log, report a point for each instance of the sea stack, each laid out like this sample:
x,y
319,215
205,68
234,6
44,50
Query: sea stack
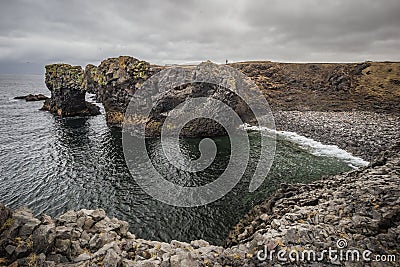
x,y
115,81
67,92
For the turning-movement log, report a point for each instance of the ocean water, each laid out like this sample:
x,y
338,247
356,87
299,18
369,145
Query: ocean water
x,y
53,164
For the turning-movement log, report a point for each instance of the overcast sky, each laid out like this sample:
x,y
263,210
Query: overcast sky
x,y
37,32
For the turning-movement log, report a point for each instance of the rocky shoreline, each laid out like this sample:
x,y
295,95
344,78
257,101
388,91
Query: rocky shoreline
x,y
365,134
361,207
342,104
367,86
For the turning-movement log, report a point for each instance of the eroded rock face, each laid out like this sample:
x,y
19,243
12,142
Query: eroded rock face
x,y
67,93
326,86
286,86
90,82
206,91
114,82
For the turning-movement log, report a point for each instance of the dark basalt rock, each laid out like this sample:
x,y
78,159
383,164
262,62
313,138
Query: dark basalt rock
x,y
165,102
67,93
286,86
32,97
114,82
89,79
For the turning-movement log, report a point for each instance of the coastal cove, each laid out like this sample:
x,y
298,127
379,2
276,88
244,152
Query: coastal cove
x,y
200,133
74,167
75,163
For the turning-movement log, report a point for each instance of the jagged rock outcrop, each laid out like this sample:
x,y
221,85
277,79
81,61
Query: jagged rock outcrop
x,y
371,86
114,82
67,93
90,76
186,84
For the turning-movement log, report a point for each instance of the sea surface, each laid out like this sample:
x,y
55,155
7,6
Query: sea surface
x,y
53,164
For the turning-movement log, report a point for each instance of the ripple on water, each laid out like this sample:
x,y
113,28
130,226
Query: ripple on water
x,y
52,165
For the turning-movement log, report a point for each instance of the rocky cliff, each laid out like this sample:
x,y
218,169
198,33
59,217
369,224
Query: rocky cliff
x,y
114,82
67,94
372,86
368,86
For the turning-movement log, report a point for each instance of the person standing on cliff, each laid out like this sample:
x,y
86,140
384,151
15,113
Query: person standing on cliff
x,y
226,61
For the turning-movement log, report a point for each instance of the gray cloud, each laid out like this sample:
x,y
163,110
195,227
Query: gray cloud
x,y
34,33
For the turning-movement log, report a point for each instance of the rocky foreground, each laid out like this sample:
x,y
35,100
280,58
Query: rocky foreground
x,y
360,207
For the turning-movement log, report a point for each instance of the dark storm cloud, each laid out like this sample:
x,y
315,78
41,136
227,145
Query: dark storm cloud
x,y
33,33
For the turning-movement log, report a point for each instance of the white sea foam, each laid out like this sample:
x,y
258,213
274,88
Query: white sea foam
x,y
314,147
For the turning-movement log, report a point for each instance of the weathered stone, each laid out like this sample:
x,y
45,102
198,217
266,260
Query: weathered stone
x,y
68,217
62,246
103,250
148,263
4,214
88,223
21,250
111,259
45,219
106,225
10,249
199,243
95,242
98,215
275,224
43,237
63,232
49,264
82,257
178,244
183,259
67,93
76,248
56,259
29,227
